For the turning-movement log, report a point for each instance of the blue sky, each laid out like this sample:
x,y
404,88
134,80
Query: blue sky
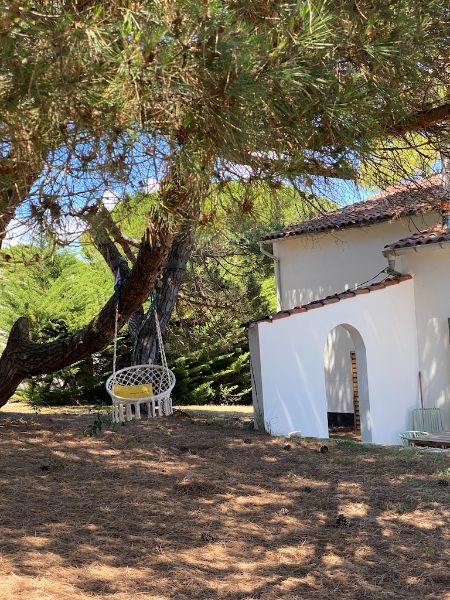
x,y
347,192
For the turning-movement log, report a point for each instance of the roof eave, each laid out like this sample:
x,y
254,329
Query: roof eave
x,y
351,293
408,249
282,238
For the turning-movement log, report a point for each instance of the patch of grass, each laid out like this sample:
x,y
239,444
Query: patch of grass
x,y
401,508
414,482
20,407
401,451
442,474
353,446
100,423
434,497
211,411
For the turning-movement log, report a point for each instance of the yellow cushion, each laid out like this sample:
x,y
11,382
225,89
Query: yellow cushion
x,y
133,391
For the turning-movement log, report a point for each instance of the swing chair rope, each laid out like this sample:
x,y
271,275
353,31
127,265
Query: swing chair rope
x,y
118,282
160,340
162,352
116,330
158,328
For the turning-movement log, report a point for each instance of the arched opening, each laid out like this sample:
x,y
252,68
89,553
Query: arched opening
x,y
346,384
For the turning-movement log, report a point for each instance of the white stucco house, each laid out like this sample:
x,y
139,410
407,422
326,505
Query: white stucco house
x,y
363,307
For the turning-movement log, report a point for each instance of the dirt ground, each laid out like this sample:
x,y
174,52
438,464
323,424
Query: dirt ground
x,y
190,508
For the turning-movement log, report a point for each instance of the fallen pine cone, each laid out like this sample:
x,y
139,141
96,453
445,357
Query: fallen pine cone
x,y
342,521
207,537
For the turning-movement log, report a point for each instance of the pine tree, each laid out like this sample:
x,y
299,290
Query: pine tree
x,y
90,91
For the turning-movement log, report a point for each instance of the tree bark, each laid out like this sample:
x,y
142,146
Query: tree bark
x,y
184,191
6,216
115,260
23,358
11,197
422,120
18,173
142,325
146,345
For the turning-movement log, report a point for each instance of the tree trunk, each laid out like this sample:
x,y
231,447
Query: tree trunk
x,y
23,358
142,326
6,216
115,260
10,199
188,188
17,177
146,347
183,189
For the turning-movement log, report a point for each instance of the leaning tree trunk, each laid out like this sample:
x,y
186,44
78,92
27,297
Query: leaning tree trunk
x,y
192,190
23,358
115,260
186,190
146,346
142,325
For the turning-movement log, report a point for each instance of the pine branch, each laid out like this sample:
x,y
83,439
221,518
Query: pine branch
x,y
422,120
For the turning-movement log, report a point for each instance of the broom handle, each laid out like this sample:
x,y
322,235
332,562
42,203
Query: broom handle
x,y
421,397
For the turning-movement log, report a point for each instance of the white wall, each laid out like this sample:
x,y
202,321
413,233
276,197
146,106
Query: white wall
x,y
292,364
315,265
430,266
255,366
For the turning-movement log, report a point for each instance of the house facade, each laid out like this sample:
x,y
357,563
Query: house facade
x,y
363,308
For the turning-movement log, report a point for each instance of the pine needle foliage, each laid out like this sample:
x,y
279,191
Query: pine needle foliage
x,y
286,87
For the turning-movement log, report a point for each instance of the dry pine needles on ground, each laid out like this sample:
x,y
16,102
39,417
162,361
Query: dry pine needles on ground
x,y
179,509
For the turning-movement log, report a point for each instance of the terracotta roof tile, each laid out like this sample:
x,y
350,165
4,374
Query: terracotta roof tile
x,y
398,201
299,309
433,235
281,315
390,282
331,299
315,304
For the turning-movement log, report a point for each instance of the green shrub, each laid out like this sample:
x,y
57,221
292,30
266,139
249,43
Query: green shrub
x,y
221,379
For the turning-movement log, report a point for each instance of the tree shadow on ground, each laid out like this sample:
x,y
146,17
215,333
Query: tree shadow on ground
x,y
172,509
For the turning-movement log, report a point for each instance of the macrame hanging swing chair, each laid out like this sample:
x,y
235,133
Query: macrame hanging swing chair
x,y
149,385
